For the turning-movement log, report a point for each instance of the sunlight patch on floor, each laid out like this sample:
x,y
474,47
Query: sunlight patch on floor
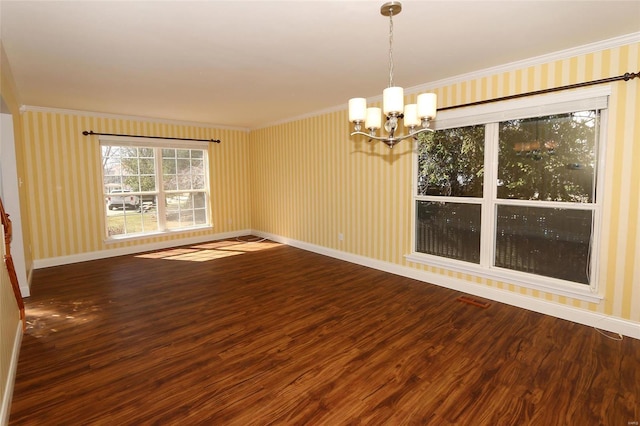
x,y
44,320
209,251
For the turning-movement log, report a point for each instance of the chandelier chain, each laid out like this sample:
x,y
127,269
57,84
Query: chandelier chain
x,y
391,48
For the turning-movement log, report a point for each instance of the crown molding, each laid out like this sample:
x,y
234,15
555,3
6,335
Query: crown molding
x,y
530,62
500,69
32,108
317,113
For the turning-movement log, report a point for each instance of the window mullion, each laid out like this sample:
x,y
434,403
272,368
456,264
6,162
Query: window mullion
x,y
414,193
487,234
160,200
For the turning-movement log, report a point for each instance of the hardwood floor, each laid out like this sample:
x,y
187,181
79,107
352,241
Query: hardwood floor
x,y
260,333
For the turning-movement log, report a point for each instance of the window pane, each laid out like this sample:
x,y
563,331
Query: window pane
x,y
451,162
185,209
112,182
199,200
550,158
168,166
169,180
128,168
200,216
184,172
544,241
146,153
184,181
197,167
197,171
129,221
449,230
132,182
147,172
183,166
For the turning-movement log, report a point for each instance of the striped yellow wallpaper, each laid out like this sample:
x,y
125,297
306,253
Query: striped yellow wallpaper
x,y
307,180
310,182
9,320
63,177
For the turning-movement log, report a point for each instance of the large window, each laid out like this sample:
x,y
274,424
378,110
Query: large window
x,y
153,186
511,193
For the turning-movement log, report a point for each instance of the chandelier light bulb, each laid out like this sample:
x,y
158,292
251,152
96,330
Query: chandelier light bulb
x,y
392,100
374,119
357,110
411,118
427,105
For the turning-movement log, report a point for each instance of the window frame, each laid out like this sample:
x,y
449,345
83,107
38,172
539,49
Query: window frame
x,y
157,144
491,115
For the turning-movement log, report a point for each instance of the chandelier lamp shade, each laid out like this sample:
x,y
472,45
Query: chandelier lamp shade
x,y
416,117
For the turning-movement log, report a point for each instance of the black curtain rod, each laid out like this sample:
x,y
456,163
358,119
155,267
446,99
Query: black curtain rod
x,y
626,77
91,132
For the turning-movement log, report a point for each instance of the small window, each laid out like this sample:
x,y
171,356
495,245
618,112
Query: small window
x,y
155,188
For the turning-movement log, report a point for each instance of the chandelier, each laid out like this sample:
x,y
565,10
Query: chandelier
x,y
416,116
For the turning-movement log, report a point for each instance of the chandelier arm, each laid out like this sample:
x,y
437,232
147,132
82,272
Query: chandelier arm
x,y
394,140
417,132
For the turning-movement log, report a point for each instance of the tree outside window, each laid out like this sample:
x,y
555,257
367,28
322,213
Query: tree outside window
x,y
549,160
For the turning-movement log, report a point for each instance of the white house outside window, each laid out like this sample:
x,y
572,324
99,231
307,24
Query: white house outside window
x,y
152,186
511,192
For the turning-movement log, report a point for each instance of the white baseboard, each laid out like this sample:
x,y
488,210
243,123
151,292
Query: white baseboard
x,y
103,254
570,313
25,289
7,396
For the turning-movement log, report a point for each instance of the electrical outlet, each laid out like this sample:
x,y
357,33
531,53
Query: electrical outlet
x,y
340,236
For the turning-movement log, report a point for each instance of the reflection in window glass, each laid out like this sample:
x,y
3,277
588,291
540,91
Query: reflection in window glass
x,y
451,162
550,158
544,241
449,230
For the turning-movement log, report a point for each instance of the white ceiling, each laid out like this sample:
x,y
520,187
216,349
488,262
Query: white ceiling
x,y
252,63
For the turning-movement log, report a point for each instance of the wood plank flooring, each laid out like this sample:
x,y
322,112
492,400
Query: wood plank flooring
x,y
260,333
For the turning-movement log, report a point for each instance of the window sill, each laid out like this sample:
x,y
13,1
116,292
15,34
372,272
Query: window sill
x,y
547,285
139,237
